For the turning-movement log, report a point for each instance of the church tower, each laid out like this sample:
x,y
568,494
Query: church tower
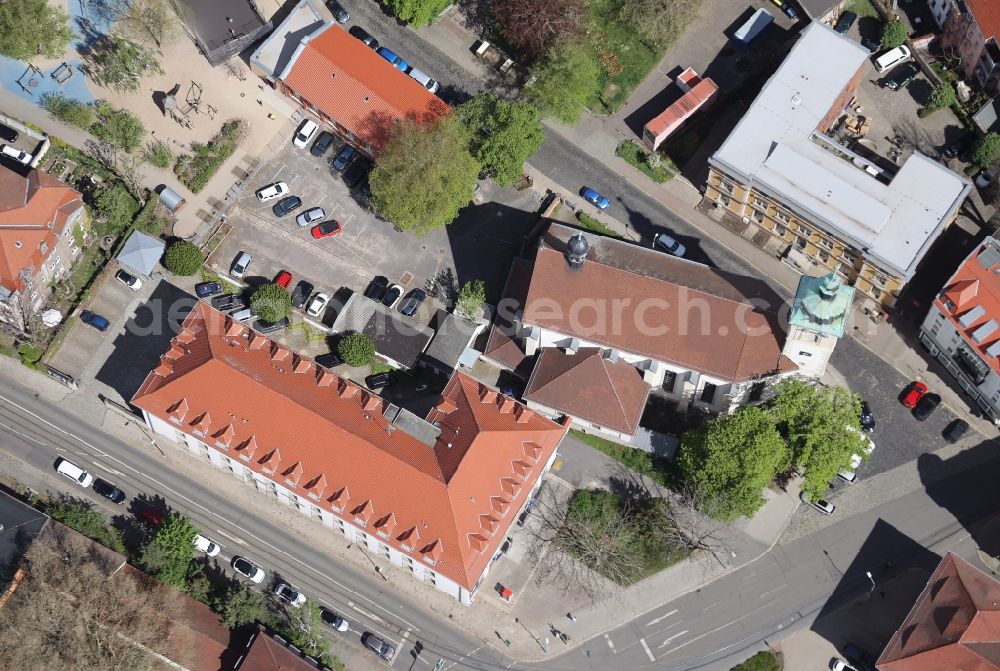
x,y
817,321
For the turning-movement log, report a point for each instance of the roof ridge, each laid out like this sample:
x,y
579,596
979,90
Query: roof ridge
x,y
614,389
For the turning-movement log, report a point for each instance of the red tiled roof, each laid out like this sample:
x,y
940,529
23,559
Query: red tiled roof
x,y
701,92
502,345
266,654
362,91
987,13
975,287
333,432
589,386
953,626
33,212
650,303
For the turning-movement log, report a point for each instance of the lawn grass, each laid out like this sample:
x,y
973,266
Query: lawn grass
x,y
379,367
588,223
765,660
862,8
636,57
656,469
637,157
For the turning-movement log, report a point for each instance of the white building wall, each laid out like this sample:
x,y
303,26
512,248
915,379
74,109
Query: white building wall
x,y
372,542
939,10
811,351
582,424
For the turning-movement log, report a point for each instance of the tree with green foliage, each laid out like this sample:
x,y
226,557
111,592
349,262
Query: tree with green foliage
x,y
503,134
32,28
356,349
183,258
986,151
119,63
241,605
942,96
30,353
117,207
158,153
729,460
416,12
535,26
425,174
470,298
822,428
271,302
893,33
168,553
118,127
83,517
304,628
69,110
563,81
658,21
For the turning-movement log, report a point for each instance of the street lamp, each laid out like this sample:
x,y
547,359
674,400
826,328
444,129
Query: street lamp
x,y
869,574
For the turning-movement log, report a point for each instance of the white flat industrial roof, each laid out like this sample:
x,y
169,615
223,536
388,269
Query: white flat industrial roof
x,y
772,146
278,50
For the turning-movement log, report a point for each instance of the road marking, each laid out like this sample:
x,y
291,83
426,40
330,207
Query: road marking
x,y
649,653
662,617
610,643
25,436
771,591
232,538
468,654
672,638
109,470
324,576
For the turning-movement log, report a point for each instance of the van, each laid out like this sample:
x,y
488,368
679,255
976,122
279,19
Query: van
x,y
16,154
892,58
74,473
426,81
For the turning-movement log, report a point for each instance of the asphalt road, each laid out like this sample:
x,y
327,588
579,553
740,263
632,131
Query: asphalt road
x,y
37,432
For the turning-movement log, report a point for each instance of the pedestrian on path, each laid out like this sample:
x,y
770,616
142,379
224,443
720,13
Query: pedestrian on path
x,y
571,616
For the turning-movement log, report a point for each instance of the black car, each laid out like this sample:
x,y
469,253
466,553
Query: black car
x,y
926,405
8,133
271,327
229,302
378,380
206,289
301,293
955,430
381,648
953,149
338,12
322,143
109,491
356,172
329,360
412,302
362,34
286,205
376,288
346,154
844,23
390,297
901,76
867,418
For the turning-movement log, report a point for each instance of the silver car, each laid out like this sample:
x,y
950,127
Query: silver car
x,y
670,244
240,265
311,215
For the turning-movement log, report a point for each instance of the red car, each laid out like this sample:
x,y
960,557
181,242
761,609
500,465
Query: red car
x,y
327,228
283,279
913,393
151,515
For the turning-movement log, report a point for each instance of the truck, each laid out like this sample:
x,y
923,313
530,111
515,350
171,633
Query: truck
x,y
754,26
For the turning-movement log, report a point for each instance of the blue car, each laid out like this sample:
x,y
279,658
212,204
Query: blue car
x,y
95,320
397,61
595,198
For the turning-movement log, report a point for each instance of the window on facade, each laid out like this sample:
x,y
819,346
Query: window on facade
x,y
780,230
708,393
762,204
800,243
726,186
876,293
725,199
826,243
669,380
880,279
948,305
757,391
383,549
781,216
824,257
758,216
363,536
803,230
803,353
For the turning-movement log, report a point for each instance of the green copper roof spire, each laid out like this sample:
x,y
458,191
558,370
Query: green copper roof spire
x,y
822,304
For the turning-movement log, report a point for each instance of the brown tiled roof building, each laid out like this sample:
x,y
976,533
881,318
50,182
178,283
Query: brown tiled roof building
x,y
954,625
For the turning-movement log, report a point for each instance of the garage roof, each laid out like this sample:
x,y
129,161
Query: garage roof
x,y
396,337
141,253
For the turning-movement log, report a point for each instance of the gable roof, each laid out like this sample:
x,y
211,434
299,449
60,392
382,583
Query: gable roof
x,y
589,386
34,210
335,444
646,302
395,336
503,346
269,653
362,91
953,626
987,13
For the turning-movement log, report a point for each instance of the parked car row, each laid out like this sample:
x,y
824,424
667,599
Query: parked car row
x,y
848,474
380,290
923,403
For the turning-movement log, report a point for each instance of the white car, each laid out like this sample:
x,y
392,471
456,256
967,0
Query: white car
x,y
317,304
248,569
668,243
129,280
291,596
74,473
335,621
209,547
305,133
310,216
271,191
821,505
837,664
16,154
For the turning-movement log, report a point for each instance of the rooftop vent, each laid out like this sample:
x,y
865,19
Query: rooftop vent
x,y
796,99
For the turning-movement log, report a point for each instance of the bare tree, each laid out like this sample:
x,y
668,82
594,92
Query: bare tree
x,y
123,164
142,19
75,608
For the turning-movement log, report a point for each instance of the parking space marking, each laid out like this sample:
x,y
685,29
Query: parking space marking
x,y
611,645
649,653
